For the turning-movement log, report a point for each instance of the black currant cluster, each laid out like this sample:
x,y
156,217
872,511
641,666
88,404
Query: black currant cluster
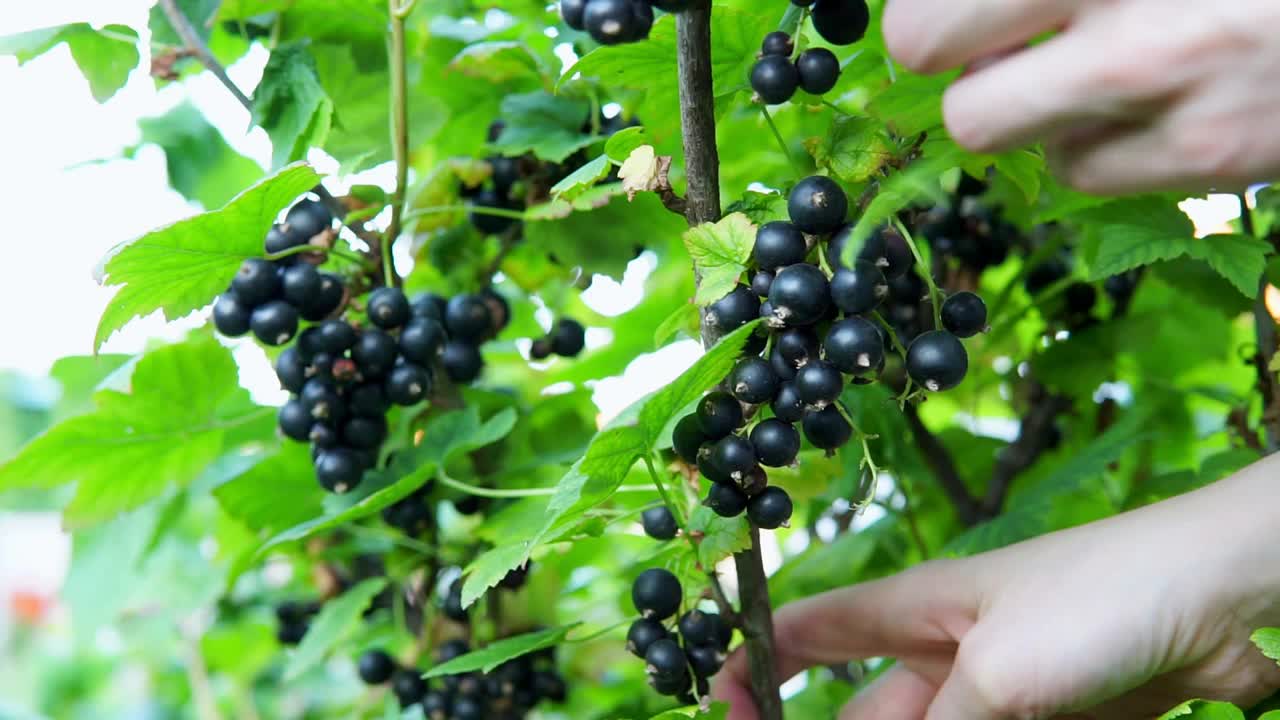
x,y
293,619
501,191
775,77
511,691
451,602
680,659
613,22
566,339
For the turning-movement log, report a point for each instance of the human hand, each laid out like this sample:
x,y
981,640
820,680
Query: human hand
x,y
1129,95
1122,618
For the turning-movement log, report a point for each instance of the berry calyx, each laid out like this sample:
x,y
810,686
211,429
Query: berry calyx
x,y
937,361
817,205
734,456
408,384
753,381
819,70
854,346
388,308
610,22
800,295
779,244
659,523
656,594
771,509
775,79
776,443
375,667
964,314
818,384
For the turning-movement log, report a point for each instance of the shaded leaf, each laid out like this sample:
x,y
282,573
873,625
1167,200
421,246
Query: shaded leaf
x,y
494,654
336,618
200,163
291,104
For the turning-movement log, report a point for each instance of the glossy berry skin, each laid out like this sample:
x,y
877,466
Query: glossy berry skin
x,y
826,429
937,361
279,239
719,414
374,353
700,628
785,371
388,308
705,660
734,456
322,400
841,22
571,12
642,634
777,43
687,437
291,370
817,205
295,421
753,381
818,384
487,223
326,300
230,315
467,317
659,523
568,338
1081,297
256,282
854,346
323,437
800,295
734,310
761,282
335,337
860,289
274,323
797,345
308,218
462,361
368,400
408,687
664,658
428,305
339,470
775,79
656,594
776,443
708,467
421,340
299,284
787,405
779,244
610,22
452,604
770,509
885,248
365,433
375,667
819,70
726,500
677,686
408,384
964,314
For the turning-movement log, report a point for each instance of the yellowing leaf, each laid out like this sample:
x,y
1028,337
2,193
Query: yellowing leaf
x,y
639,172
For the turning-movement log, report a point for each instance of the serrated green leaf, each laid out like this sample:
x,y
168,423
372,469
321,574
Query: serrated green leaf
x,y
291,104
184,266
200,163
911,105
105,57
720,252
622,143
336,618
1204,710
278,492
1134,232
685,319
1024,168
549,126
1241,259
496,62
494,654
721,537
1268,641
581,179
853,149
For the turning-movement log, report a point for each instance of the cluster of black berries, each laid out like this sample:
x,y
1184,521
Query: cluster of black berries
x,y
511,691
676,659
451,602
839,22
293,619
775,77
566,339
499,192
613,22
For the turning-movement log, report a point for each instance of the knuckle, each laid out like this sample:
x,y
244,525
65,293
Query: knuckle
x,y
999,682
967,126
905,37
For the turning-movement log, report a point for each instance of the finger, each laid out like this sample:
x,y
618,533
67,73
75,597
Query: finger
x,y
960,698
729,689
934,35
899,694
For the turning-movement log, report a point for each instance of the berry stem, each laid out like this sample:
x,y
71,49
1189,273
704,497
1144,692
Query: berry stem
x,y
782,144
1265,327
185,30
893,334
334,251
498,493
935,295
399,9
476,209
681,522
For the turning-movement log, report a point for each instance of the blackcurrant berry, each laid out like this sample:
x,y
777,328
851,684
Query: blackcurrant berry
x,y
671,6
818,384
907,290
571,12
699,628
408,384
308,218
642,634
734,310
753,381
428,305
375,667
329,297
467,318
797,345
230,315
452,649
365,433
339,470
777,43
610,22
885,248
291,633
368,400
726,500
323,437
1081,297
687,437
708,467
436,705
408,686
734,456
659,523
291,369
775,79
776,443
470,708
787,405
568,338
664,658
550,686
860,289
817,205
506,172
281,238
256,282
785,371
462,361
515,578
1045,274
719,414
335,337
841,22
295,421
300,284
771,509
674,686
451,606
374,353
827,429
388,308
499,309
540,349
656,594
488,223
761,282
705,660
1120,287
779,244
421,341
274,323
937,361
854,346
800,295
819,70
964,314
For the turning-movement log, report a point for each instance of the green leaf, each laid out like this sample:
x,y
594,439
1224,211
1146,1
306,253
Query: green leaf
x,y
275,493
549,126
336,618
291,104
685,319
199,12
182,267
1024,168
720,252
496,62
911,105
1204,710
491,656
581,179
854,149
1241,259
105,57
1268,641
201,165
718,711
622,143
1134,232
721,537
571,230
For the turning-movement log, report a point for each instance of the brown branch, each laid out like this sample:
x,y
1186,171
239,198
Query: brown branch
x,y
944,468
1034,437
727,613
182,25
1265,327
757,629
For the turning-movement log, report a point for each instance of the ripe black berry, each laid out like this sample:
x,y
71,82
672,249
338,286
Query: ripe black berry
x,y
610,22
308,218
841,22
705,660
719,414
664,658
365,433
937,361
827,429
674,686
819,70
274,323
335,337
775,79
656,594
467,317
761,282
708,467
885,248
452,604
388,308
421,340
408,384
785,371
734,310
771,509
368,400
436,705
726,500
777,43
280,238
339,470
230,315
487,223
859,289
467,707
429,305
326,300
506,172
571,12
699,628
643,633
376,667
300,283
687,437
734,456
540,349
515,578
776,443
779,244
964,314
818,384
295,421
256,282
323,437
462,361
1045,274
787,405
550,686
854,346
568,338
800,295
374,353
753,381
817,205
291,633
321,400
408,686
659,523
1081,297
797,345
291,369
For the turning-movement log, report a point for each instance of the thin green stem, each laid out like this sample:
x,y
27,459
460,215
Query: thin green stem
x,y
476,209
299,249
662,490
782,144
935,295
893,334
835,107
399,131
498,493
